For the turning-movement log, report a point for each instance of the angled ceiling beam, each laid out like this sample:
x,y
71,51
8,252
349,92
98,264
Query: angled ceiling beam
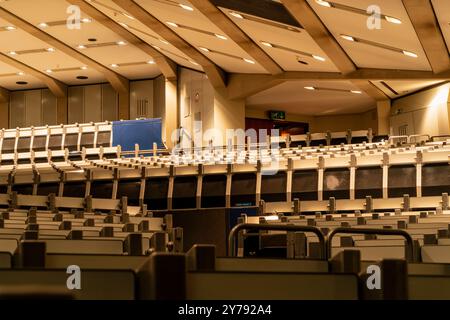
x,y
241,85
58,88
119,83
216,76
371,90
232,31
305,15
166,65
427,28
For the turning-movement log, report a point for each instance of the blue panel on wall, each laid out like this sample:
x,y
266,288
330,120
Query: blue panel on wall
x,y
143,132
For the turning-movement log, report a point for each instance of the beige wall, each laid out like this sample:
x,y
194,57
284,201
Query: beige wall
x,y
4,115
331,123
426,112
199,101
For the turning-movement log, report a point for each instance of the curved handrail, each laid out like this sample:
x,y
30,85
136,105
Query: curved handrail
x,y
280,227
440,136
414,136
393,232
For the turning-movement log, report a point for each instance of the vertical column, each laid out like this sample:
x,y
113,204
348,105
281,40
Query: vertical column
x,y
170,118
4,108
62,106
228,114
383,112
124,104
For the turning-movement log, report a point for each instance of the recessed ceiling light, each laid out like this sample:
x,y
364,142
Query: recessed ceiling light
x,y
121,43
82,77
43,25
114,65
355,91
173,24
204,49
10,28
221,37
151,62
346,37
50,49
86,20
81,46
248,61
310,88
83,67
186,7
267,44
409,54
393,20
49,71
13,53
21,83
323,3
20,73
127,15
318,57
236,15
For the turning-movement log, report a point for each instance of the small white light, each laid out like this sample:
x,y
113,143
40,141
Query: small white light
x,y
204,49
50,49
13,53
248,61
156,47
194,63
20,73
310,88
49,70
355,91
318,57
346,37
393,20
221,37
173,24
409,54
151,62
114,65
236,15
164,41
81,46
127,15
271,218
83,68
323,3
123,24
267,44
121,43
10,28
186,7
43,25
86,20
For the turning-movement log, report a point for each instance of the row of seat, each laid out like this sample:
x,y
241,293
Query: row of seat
x,y
428,233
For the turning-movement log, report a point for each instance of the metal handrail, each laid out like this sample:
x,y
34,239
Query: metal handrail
x,y
393,232
440,136
245,226
414,136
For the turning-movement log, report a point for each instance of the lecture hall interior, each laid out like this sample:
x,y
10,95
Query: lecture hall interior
x,y
224,150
